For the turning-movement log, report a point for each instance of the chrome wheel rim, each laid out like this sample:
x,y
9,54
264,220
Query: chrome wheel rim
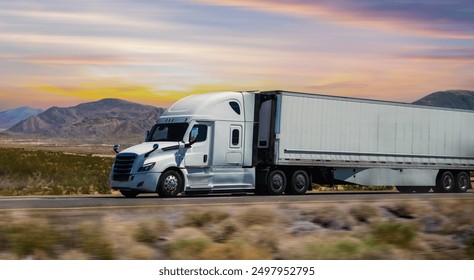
x,y
463,184
170,184
448,182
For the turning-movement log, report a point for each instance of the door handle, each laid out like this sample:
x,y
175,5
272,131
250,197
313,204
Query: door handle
x,y
204,159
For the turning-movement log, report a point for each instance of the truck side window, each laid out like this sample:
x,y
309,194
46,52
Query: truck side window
x,y
198,133
235,106
235,136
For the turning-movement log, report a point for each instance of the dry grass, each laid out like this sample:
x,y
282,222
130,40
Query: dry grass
x,y
364,213
257,216
24,172
311,231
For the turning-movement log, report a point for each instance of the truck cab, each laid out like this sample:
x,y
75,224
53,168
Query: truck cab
x,y
201,144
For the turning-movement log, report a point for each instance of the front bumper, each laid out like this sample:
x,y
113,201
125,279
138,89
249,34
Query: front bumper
x,y
145,182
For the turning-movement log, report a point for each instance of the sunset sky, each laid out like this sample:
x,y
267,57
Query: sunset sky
x,y
61,53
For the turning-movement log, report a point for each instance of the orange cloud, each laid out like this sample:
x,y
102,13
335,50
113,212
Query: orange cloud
x,y
133,92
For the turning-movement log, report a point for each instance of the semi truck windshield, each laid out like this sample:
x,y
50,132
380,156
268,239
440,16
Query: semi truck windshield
x,y
167,132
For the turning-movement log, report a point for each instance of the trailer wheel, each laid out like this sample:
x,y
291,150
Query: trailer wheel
x,y
128,193
276,183
444,182
299,183
462,182
170,184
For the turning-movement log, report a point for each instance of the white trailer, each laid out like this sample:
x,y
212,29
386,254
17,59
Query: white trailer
x,y
280,142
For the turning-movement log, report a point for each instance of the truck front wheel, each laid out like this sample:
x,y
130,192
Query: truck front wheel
x,y
170,184
128,193
405,189
276,182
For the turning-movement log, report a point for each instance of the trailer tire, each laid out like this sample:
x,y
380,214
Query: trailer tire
x,y
276,183
462,182
128,193
170,184
444,182
299,183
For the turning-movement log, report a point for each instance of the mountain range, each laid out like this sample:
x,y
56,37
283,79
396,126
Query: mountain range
x,y
11,117
103,119
111,119
457,99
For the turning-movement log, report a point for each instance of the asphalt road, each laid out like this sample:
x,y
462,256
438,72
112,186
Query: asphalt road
x,y
146,201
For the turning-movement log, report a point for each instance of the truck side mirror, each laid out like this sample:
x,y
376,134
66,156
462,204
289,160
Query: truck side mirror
x,y
116,147
147,134
155,147
190,143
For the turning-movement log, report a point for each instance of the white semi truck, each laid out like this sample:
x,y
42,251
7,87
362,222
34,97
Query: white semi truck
x,y
278,142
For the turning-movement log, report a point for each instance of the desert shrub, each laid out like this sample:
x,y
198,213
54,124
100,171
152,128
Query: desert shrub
x,y
52,173
366,188
235,250
224,230
398,234
404,210
330,218
264,237
92,240
188,248
201,219
470,248
344,249
257,216
363,213
145,234
150,232
458,214
26,239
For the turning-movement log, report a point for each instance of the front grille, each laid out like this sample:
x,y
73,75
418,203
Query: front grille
x,y
123,166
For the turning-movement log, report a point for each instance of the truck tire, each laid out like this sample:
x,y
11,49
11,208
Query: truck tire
x,y
444,182
128,193
299,183
276,183
422,189
405,189
170,184
463,182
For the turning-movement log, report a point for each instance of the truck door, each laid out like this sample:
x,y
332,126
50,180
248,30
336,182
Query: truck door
x,y
198,157
234,154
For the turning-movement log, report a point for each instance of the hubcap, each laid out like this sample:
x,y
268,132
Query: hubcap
x,y
463,184
277,182
448,182
300,182
170,184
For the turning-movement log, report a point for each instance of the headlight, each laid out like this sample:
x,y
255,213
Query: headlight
x,y
146,167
